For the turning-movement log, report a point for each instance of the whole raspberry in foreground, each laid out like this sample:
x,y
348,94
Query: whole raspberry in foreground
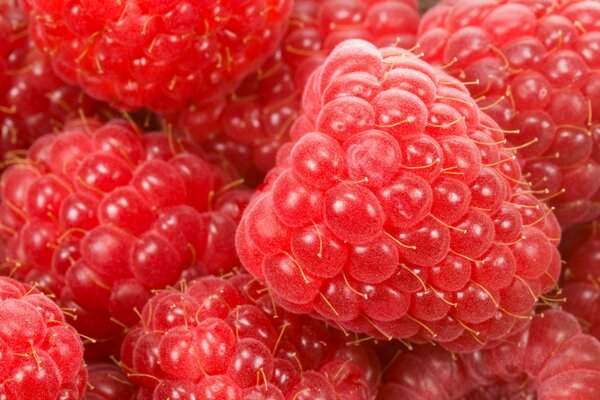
x,y
157,54
224,339
41,356
257,117
551,359
397,212
101,215
107,382
534,67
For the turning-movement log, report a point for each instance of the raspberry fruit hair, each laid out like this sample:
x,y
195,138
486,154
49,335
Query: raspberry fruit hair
x,y
224,339
41,356
397,212
533,66
157,54
551,359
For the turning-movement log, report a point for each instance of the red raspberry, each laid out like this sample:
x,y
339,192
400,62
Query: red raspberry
x,y
533,66
33,100
551,359
101,215
41,356
581,286
260,112
157,54
224,339
397,212
107,382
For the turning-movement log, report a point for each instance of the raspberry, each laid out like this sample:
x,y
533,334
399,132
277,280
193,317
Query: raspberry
x,y
107,382
550,359
224,339
397,212
533,68
41,355
33,100
157,54
101,215
259,114
581,284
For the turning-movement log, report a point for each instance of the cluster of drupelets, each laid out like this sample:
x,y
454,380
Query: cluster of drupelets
x,y
299,200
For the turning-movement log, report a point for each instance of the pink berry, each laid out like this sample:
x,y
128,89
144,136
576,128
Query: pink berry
x,y
235,344
42,356
532,67
404,225
159,55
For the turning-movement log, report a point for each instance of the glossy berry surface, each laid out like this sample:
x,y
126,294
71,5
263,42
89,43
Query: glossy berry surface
x,y
533,66
33,100
397,212
107,382
41,355
224,339
257,117
157,54
550,359
101,214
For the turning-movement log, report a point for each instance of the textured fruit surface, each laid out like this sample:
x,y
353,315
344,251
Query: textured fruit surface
x,y
533,66
101,215
397,212
256,119
33,100
157,54
551,359
581,282
107,382
225,339
41,356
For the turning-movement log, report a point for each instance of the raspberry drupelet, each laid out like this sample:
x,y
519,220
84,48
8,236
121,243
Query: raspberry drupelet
x,y
254,121
101,215
397,212
217,338
550,360
157,54
533,67
33,100
41,356
107,382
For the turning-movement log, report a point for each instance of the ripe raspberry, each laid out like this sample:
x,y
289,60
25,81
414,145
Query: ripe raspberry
x,y
581,286
33,100
224,339
551,359
259,114
533,66
397,212
107,382
41,356
157,54
101,215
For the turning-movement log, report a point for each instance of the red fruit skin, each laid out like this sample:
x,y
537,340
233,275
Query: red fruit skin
x,y
214,336
102,215
257,118
534,68
41,355
33,100
397,211
551,358
158,55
